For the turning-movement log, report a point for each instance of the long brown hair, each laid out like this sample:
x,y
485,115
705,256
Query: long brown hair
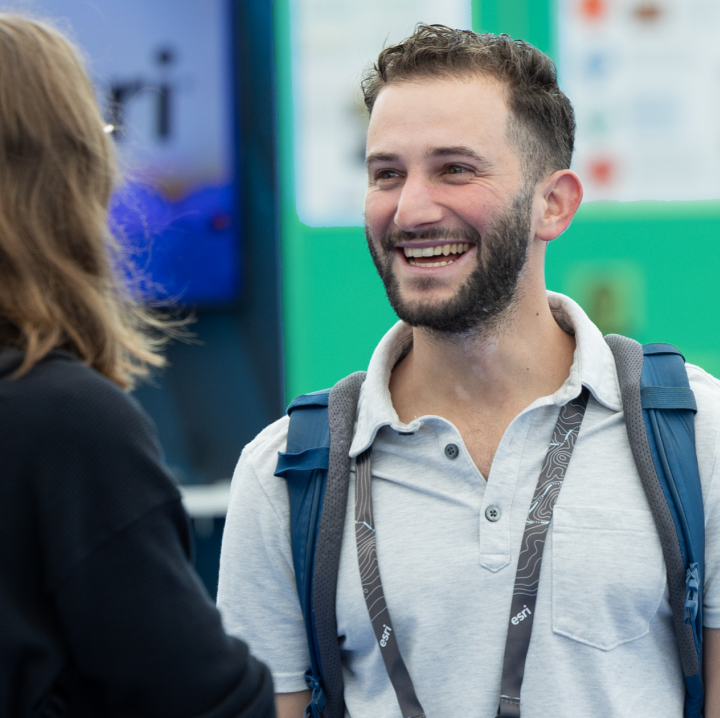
x,y
61,284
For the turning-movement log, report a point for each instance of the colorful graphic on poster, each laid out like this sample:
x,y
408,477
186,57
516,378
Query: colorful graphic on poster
x,y
643,78
612,292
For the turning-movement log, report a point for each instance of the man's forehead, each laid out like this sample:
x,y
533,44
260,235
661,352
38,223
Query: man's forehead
x,y
437,117
476,88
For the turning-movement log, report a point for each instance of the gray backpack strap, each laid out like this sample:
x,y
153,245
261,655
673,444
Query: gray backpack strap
x,y
342,409
629,361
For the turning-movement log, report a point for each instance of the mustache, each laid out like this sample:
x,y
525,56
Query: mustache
x,y
467,234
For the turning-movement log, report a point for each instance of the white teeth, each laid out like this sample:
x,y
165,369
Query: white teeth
x,y
430,264
444,249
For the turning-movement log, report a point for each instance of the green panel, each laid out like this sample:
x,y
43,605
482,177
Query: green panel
x,y
649,269
335,308
530,20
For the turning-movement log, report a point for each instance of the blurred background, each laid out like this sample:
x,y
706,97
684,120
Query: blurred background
x,y
240,128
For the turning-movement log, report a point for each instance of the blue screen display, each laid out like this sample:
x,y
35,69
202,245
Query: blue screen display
x,y
164,77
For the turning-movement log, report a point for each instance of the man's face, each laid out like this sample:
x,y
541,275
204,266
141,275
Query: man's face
x,y
448,215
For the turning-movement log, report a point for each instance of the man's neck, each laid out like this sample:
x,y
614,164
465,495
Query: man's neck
x,y
488,377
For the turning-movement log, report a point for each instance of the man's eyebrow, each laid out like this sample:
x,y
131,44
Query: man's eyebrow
x,y
381,157
460,150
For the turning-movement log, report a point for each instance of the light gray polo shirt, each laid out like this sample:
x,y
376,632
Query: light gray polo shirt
x,y
602,642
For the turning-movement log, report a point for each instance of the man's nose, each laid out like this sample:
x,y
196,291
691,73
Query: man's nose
x,y
417,206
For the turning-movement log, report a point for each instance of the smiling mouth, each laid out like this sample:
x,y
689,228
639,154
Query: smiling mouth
x,y
426,256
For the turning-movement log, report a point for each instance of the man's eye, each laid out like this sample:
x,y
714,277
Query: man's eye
x,y
457,169
386,174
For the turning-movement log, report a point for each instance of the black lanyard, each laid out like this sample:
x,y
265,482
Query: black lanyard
x,y
372,588
527,577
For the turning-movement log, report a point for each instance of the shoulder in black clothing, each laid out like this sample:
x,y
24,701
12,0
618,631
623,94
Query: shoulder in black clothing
x,y
61,398
85,449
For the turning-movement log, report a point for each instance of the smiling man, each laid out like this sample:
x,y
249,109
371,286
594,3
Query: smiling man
x,y
486,378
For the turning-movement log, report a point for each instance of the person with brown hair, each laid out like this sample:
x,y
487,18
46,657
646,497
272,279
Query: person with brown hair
x,y
101,613
490,424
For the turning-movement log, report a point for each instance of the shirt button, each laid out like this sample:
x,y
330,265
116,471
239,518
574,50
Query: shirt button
x,y
451,451
492,513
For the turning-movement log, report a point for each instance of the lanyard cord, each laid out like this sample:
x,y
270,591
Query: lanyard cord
x,y
373,590
527,577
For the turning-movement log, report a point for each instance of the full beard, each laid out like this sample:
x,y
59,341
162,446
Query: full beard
x,y
487,296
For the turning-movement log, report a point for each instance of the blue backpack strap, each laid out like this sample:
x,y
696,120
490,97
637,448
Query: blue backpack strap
x,y
304,466
659,409
669,410
316,466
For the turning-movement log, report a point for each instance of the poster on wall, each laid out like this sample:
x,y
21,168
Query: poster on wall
x,y
164,77
333,41
644,78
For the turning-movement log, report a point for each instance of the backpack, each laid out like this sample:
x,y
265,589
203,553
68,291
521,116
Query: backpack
x,y
659,409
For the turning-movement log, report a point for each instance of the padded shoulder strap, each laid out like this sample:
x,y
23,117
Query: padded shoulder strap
x,y
304,468
659,416
342,410
316,466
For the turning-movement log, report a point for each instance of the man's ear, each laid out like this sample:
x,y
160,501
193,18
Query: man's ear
x,y
557,200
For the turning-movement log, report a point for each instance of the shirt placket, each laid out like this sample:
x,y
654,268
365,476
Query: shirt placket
x,y
496,508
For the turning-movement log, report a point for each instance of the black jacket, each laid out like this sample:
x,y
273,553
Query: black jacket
x,y
96,586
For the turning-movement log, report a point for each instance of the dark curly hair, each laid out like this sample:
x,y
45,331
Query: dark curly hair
x,y
542,125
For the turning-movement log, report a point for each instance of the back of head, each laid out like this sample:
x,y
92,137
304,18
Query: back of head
x,y
59,287
542,125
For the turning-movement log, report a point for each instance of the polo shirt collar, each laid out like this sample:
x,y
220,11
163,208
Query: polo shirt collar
x,y
593,366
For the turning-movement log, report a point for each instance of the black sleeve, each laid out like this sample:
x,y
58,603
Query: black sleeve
x,y
140,624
